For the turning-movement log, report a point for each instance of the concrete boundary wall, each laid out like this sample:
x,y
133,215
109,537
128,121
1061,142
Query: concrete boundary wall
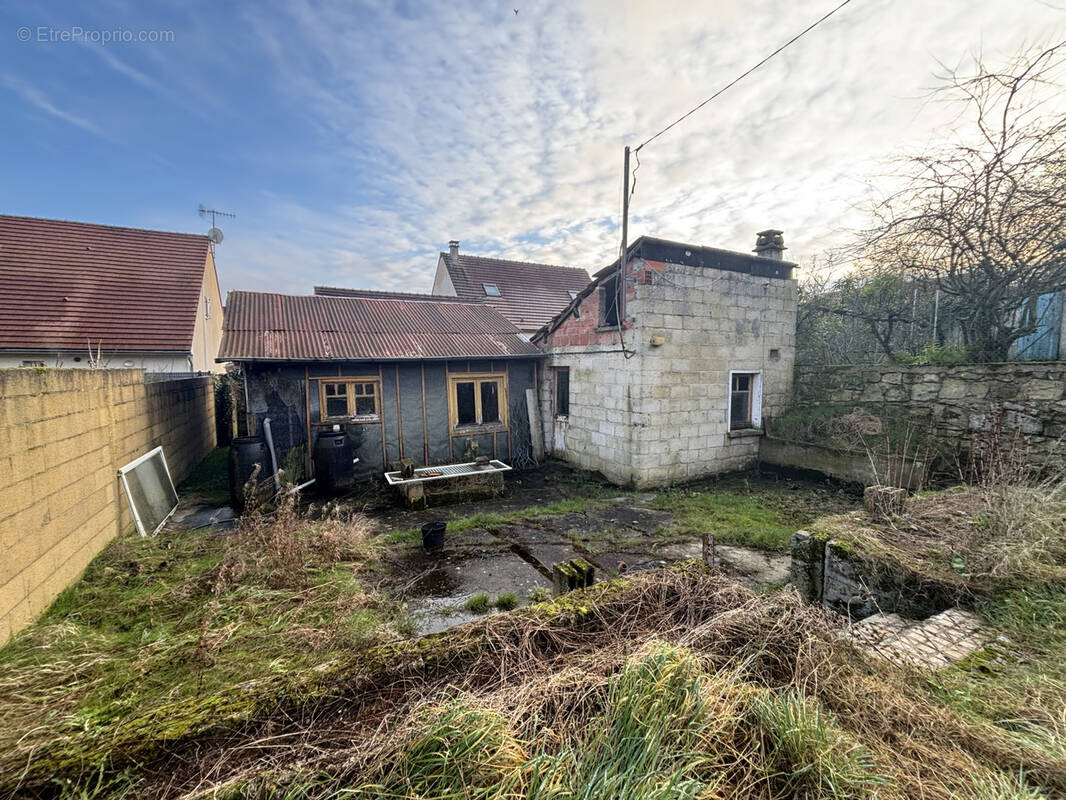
x,y
63,435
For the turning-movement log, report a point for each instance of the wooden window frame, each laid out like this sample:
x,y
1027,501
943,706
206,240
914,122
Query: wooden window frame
x,y
477,378
555,392
349,383
754,421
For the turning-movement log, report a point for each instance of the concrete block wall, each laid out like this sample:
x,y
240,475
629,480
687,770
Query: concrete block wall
x,y
64,433
599,434
673,421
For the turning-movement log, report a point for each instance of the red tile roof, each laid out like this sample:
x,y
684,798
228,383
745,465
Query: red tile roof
x,y
531,294
276,327
74,285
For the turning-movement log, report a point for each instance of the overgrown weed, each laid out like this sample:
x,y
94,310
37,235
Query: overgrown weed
x,y
158,619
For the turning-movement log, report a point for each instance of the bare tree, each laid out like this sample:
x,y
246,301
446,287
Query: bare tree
x,y
985,215
865,315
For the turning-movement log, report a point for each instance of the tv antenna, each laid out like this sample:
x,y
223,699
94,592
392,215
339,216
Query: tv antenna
x,y
215,234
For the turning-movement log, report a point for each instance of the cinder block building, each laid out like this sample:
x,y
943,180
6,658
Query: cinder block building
x,y
668,369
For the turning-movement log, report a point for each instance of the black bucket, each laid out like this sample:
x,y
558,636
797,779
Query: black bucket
x,y
433,535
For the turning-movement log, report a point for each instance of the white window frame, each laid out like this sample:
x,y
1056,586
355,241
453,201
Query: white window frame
x,y
496,288
756,399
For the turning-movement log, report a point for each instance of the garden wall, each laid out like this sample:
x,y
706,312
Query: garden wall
x,y
63,435
951,402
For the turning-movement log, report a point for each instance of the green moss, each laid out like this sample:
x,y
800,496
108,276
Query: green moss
x,y
478,603
735,518
507,601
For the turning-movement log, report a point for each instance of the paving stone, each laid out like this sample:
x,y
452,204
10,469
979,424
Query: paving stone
x,y
933,643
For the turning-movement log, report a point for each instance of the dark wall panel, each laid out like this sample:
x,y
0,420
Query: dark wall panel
x,y
411,409
390,412
437,413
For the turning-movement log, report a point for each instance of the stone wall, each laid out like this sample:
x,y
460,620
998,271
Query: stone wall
x,y
662,415
949,402
64,433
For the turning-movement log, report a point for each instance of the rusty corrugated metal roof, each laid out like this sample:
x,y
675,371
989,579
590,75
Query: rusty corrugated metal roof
x,y
274,327
72,285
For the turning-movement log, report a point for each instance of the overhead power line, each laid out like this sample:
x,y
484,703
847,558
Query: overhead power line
x,y
743,75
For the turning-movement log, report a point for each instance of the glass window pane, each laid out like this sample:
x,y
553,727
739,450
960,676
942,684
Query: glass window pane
x,y
336,406
562,392
490,401
464,403
739,409
369,388
364,406
334,389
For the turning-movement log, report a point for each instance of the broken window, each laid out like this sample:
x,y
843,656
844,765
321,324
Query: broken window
x,y
490,402
745,398
351,399
478,399
562,391
609,302
465,403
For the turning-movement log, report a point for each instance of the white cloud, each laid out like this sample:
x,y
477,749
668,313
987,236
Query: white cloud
x,y
425,122
39,100
507,131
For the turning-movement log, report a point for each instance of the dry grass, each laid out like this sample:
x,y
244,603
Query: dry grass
x,y
668,685
180,615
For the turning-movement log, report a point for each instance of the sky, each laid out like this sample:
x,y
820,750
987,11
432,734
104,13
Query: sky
x,y
353,139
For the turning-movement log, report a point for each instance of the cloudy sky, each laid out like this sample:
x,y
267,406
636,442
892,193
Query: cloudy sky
x,y
353,139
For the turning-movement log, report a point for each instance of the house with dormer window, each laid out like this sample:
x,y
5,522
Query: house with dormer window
x,y
527,294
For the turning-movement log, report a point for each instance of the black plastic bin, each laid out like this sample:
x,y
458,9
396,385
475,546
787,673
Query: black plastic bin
x,y
244,453
334,470
433,535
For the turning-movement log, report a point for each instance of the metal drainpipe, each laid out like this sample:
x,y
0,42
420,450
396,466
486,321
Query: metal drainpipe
x,y
273,455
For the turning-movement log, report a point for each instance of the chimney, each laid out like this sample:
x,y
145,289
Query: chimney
x,y
453,247
770,244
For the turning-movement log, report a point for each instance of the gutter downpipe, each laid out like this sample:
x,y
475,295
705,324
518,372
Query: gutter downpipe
x,y
273,455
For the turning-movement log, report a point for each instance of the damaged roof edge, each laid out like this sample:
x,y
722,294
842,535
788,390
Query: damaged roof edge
x,y
652,249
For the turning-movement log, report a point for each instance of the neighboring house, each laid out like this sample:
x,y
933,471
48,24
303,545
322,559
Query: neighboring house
x,y
527,294
408,376
74,294
675,377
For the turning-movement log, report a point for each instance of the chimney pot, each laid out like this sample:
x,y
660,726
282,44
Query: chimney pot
x,y
770,244
453,247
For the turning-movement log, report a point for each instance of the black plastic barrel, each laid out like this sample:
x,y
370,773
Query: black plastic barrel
x,y
433,535
334,470
244,453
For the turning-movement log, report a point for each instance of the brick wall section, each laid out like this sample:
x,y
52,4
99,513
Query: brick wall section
x,y
661,416
953,402
63,435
